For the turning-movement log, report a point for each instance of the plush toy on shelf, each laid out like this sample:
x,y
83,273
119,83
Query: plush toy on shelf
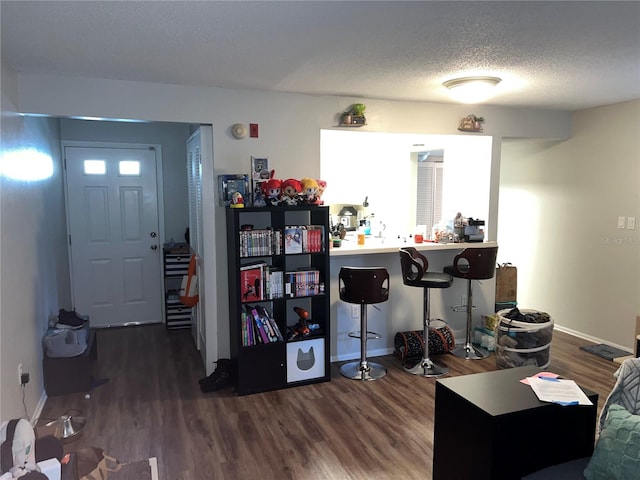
x,y
290,191
271,190
309,194
322,186
237,201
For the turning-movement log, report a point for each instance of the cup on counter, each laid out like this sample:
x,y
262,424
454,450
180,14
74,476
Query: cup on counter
x,y
419,238
360,238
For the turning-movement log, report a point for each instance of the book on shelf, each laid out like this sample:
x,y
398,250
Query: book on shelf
x,y
260,242
260,281
313,239
263,336
251,282
303,283
245,332
271,333
303,239
292,239
274,283
264,313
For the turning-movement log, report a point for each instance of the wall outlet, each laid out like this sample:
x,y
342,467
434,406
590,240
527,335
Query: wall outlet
x,y
20,374
355,311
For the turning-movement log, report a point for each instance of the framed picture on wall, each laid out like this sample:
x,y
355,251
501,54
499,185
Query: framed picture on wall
x,y
259,173
229,185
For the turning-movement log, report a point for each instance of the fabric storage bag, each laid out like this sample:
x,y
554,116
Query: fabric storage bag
x,y
411,344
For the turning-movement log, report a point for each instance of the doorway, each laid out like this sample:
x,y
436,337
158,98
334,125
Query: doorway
x,y
114,239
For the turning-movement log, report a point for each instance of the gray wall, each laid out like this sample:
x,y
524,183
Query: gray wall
x,y
34,274
559,206
173,139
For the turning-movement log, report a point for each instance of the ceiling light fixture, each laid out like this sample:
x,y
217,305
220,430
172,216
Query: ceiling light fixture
x,y
472,89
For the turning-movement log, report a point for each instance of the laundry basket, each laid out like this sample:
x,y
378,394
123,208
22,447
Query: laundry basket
x,y
523,337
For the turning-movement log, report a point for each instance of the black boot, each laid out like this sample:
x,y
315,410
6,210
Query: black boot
x,y
221,364
223,376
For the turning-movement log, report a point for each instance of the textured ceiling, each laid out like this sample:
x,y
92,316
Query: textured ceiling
x,y
550,54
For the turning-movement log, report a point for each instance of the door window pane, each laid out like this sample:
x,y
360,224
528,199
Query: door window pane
x,y
129,167
94,167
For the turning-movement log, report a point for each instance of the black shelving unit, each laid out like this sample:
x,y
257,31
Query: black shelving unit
x,y
294,360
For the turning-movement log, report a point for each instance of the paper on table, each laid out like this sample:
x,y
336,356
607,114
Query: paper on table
x,y
541,374
564,392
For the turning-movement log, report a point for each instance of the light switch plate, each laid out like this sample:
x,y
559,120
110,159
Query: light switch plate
x,y
631,223
621,222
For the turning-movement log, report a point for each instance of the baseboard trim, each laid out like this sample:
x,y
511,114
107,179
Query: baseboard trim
x,y
356,355
39,407
575,333
584,336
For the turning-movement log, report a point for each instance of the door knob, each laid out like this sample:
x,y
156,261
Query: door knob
x,y
153,234
154,247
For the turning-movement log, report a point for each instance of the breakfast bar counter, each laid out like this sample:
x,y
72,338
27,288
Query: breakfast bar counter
x,y
375,245
404,309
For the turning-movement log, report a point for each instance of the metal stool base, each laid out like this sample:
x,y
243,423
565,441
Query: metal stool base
x,y
367,372
470,352
427,368
370,335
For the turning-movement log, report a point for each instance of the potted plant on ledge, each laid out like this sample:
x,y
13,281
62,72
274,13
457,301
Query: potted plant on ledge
x,y
471,123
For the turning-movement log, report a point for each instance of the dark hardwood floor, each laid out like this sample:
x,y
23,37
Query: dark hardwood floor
x,y
152,407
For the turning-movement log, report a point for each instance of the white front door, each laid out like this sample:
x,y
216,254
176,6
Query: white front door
x,y
112,209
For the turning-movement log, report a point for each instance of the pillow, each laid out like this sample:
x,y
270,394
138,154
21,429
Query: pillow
x,y
617,452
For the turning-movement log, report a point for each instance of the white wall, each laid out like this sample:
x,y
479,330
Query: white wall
x,y
34,275
290,126
559,205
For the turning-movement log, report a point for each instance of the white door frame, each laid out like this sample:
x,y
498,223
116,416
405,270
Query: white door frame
x,y
159,198
211,310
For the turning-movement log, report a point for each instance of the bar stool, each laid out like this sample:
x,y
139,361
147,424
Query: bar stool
x,y
472,264
414,274
364,286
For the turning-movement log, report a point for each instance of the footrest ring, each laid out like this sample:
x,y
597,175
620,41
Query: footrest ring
x,y
370,335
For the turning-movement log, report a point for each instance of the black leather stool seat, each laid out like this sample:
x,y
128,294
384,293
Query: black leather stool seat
x,y
363,286
474,263
414,271
477,263
414,274
431,280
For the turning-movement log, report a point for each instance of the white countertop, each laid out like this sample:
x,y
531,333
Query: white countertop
x,y
374,245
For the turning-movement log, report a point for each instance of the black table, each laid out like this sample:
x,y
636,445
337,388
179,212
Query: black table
x,y
490,426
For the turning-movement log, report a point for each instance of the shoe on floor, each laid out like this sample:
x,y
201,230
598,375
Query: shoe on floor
x,y
223,376
70,319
